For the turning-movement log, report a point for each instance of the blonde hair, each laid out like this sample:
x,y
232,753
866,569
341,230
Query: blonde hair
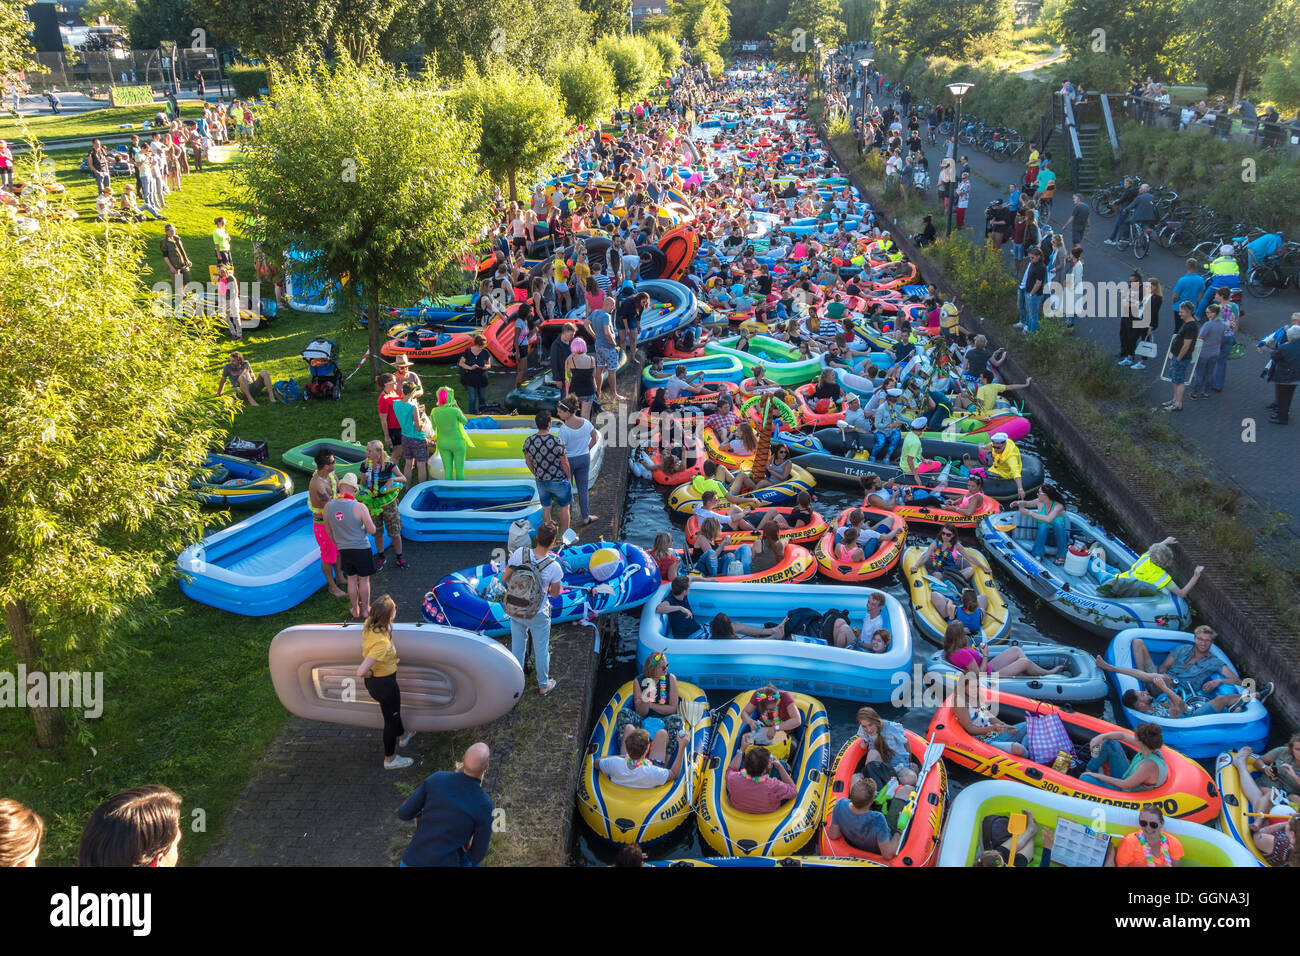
x,y
21,830
383,610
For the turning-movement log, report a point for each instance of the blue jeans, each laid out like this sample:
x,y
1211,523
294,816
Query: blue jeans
x,y
1221,365
1212,287
1121,222
1061,528
477,397
1111,760
1204,371
581,468
887,441
540,628
708,562
1034,304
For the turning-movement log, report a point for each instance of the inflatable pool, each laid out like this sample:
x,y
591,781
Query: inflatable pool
x,y
672,307
458,600
716,368
449,679
267,563
783,832
962,842
467,510
805,664
229,482
781,361
627,814
348,456
1008,538
1199,737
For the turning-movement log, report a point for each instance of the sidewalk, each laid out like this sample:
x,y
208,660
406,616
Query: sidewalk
x,y
1220,427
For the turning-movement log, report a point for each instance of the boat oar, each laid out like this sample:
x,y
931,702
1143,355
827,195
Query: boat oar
x,y
691,712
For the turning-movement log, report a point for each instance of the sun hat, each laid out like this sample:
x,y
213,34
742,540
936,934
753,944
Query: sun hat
x,y
402,361
1000,438
895,393
349,480
918,424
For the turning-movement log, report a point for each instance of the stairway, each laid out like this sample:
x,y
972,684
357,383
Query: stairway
x,y
1086,119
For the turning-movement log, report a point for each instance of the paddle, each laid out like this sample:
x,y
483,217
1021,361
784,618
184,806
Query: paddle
x,y
504,507
932,755
691,712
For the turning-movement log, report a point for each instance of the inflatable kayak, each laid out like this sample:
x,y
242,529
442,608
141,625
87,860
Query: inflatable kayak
x,y
470,598
230,482
348,456
467,510
684,499
1188,792
622,814
802,663
1081,682
1201,737
878,560
786,830
920,513
449,679
919,843
1080,591
963,838
924,583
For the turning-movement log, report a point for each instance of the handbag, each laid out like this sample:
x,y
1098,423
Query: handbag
x,y
1146,349
1046,736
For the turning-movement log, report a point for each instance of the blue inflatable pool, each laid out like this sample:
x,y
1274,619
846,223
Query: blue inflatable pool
x,y
453,510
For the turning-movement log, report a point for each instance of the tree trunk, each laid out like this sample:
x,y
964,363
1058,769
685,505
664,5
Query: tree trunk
x,y
49,721
514,194
375,328
1241,81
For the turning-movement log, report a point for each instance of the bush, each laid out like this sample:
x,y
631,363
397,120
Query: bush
x,y
839,126
248,81
978,274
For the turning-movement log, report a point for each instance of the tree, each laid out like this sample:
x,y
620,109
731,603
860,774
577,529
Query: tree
x,y
476,35
634,64
810,26
585,85
1280,84
15,45
521,121
667,46
946,29
359,25
116,12
272,30
1138,30
1252,31
860,19
705,25
105,422
608,17
368,173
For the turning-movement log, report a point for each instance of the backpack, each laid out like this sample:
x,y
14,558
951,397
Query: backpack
x,y
525,593
520,536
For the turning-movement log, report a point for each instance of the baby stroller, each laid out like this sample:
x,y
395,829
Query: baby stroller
x,y
321,356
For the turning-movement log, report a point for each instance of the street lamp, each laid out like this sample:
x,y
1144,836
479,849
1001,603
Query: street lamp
x,y
958,90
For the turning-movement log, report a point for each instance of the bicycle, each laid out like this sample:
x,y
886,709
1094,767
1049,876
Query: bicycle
x,y
1138,238
1278,271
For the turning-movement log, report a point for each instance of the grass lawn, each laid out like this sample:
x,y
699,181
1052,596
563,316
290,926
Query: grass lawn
x,y
1028,45
102,122
191,707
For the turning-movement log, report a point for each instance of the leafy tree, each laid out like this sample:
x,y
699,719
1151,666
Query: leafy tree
x,y
368,172
585,85
745,17
105,422
15,45
608,17
154,22
116,12
634,64
359,25
860,18
668,47
271,30
1251,31
947,29
810,26
1280,84
474,35
521,121
1138,30
704,24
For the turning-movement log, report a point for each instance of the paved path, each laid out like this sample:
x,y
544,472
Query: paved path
x,y
1217,427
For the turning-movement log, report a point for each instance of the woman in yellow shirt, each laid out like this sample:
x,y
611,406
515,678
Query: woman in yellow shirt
x,y
380,672
987,395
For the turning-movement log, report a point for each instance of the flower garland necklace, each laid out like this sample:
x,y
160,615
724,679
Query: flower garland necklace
x,y
1164,850
663,690
758,779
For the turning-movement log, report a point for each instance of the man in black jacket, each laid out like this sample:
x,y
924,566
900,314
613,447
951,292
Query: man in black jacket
x,y
1127,196
98,163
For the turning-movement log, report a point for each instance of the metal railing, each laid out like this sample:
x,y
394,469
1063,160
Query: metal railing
x,y
1227,125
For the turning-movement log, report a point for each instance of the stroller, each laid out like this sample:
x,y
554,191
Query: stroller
x,y
321,356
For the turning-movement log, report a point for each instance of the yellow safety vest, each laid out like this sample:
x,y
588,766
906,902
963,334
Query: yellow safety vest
x,y
1144,569
1224,266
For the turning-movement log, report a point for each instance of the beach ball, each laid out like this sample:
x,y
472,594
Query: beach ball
x,y
605,564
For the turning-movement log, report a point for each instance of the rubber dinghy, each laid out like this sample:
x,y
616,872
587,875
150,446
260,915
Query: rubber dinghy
x,y
226,481
467,510
450,679
787,829
599,578
1081,682
805,663
267,563
963,838
1238,816
622,814
1200,737
672,307
1077,590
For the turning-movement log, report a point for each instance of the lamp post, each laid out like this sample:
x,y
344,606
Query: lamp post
x,y
958,90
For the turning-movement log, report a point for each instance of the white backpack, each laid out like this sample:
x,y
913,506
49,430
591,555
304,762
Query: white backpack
x,y
525,591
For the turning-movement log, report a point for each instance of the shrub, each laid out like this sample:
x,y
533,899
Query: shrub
x,y
248,81
977,272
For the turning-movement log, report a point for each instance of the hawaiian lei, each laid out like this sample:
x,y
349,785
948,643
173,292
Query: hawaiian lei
x,y
1164,850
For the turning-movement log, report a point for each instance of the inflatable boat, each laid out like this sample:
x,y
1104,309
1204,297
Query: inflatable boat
x,y
1081,682
805,663
672,307
685,497
467,510
348,456
1236,817
879,555
449,679
624,576
800,534
230,482
796,565
715,368
786,830
1079,590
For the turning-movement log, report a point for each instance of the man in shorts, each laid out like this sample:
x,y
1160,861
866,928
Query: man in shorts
x,y
546,459
602,330
241,376
350,527
321,490
628,315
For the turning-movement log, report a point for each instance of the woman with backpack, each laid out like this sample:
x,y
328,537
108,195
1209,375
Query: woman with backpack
x,y
532,577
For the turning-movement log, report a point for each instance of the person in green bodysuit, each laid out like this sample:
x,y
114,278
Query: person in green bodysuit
x,y
449,425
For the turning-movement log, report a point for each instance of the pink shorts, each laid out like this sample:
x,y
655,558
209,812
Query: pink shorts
x,y
328,552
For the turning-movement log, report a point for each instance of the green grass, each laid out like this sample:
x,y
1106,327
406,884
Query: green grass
x,y
191,706
101,122
1028,45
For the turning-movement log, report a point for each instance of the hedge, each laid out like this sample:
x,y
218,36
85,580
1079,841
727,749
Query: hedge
x,y
248,81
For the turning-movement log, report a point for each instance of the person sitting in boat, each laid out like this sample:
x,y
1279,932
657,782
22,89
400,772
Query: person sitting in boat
x,y
1167,702
745,441
1005,462
1149,844
858,823
987,395
654,703
911,458
886,744
642,760
680,385
947,554
771,715
970,610
1275,824
723,420
888,425
975,718
1281,765
723,628
759,381
1150,569
971,502
779,468
1050,515
707,550
828,390
769,550
1145,771
753,789
733,518
676,607
869,537
855,420
880,493
666,558
1013,662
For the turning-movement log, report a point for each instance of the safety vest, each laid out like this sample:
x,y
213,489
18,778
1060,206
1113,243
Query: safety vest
x,y
1144,569
1224,266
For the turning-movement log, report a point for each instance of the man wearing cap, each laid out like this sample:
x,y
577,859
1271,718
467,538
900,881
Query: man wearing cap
x,y
855,419
1006,461
404,374
349,525
912,455
888,422
1225,272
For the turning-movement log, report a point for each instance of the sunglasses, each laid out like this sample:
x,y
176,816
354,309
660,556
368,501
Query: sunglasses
x,y
1150,824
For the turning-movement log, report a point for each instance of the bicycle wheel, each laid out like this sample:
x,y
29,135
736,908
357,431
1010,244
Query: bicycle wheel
x,y
1181,241
1263,281
1101,204
945,127
1141,244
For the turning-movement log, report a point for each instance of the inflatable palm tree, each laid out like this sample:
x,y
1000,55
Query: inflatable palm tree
x,y
764,448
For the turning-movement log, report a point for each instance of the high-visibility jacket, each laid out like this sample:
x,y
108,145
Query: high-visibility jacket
x,y
1224,270
1144,569
1006,464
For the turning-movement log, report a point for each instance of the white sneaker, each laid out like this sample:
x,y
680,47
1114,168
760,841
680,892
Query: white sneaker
x,y
398,763
405,739
1018,325
1110,242
1138,366
1124,361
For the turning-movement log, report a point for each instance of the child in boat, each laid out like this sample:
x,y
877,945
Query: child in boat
x,y
641,762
